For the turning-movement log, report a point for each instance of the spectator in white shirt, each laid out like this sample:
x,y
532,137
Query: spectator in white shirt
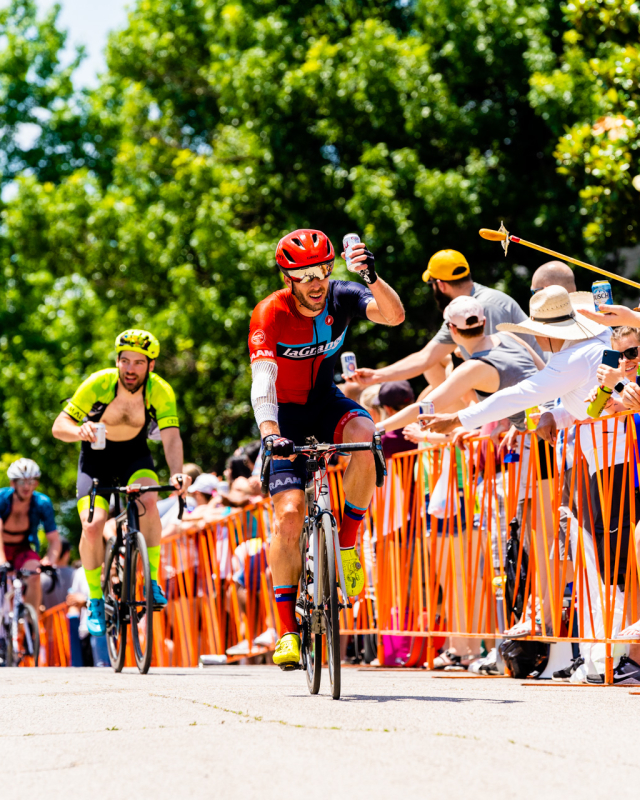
x,y
576,344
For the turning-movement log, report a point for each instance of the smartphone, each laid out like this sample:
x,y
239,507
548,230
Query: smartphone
x,y
611,358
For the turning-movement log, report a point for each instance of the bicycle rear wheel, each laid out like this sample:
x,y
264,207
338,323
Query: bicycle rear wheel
x,y
331,608
28,639
141,604
311,643
112,587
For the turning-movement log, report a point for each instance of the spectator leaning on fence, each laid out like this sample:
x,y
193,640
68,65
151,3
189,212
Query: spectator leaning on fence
x,y
449,275
576,344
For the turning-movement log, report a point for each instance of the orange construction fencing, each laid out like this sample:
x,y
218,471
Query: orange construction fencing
x,y
457,543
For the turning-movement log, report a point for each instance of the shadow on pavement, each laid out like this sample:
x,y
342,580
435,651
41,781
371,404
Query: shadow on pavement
x,y
383,698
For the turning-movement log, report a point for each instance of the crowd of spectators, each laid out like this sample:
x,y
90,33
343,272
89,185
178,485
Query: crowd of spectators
x,y
490,366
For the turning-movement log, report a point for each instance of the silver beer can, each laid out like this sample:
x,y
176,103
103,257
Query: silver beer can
x,y
425,407
100,430
348,361
347,243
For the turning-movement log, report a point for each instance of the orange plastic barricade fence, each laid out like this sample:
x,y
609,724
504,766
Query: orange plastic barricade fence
x,y
457,543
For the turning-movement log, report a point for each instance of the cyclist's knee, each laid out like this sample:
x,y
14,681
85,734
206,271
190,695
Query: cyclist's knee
x,y
290,515
149,501
359,429
92,531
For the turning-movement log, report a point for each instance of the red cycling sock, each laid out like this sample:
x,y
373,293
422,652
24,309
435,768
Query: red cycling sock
x,y
351,520
286,605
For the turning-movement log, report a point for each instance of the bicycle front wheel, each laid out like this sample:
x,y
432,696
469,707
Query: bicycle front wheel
x,y
141,604
27,650
114,609
331,607
311,643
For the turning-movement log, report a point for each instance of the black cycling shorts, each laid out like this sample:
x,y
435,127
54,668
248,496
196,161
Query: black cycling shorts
x,y
325,418
119,464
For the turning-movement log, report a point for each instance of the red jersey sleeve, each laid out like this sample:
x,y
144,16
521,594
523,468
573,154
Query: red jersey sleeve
x,y
263,338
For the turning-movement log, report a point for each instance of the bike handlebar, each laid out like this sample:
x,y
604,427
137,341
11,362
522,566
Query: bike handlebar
x,y
132,489
324,450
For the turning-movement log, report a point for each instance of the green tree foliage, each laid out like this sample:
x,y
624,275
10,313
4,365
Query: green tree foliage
x,y
218,127
590,97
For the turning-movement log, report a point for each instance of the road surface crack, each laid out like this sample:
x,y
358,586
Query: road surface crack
x,y
246,715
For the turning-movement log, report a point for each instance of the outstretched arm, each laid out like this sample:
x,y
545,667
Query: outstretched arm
x,y
408,367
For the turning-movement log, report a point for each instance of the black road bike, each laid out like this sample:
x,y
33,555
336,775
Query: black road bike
x,y
126,583
319,605
19,631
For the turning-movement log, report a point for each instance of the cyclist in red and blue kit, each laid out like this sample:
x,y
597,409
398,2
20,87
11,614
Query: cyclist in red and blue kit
x,y
295,336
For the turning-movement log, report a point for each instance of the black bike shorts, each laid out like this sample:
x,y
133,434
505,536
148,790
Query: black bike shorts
x,y
325,418
119,464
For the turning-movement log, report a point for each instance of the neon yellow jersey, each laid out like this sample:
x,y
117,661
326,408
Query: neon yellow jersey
x,y
95,393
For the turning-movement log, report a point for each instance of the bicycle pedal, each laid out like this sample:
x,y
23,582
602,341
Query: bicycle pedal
x,y
289,667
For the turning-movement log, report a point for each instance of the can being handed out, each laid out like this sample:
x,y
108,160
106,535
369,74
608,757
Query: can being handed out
x,y
602,294
348,361
348,241
100,430
426,407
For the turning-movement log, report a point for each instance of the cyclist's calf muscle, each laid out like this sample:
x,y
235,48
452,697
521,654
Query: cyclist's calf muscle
x,y
284,552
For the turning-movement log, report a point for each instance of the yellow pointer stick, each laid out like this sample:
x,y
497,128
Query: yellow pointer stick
x,y
505,237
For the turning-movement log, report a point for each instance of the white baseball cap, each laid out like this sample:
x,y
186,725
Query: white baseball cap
x,y
464,312
205,483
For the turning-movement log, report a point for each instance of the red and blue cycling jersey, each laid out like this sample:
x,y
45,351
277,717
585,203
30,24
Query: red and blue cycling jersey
x,y
305,348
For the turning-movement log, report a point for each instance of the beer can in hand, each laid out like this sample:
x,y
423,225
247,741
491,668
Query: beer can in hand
x,y
347,244
100,430
426,407
602,294
348,361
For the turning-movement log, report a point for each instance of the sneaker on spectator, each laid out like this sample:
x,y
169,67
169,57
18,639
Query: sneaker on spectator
x,y
487,665
449,661
627,673
595,678
579,674
267,639
564,675
240,649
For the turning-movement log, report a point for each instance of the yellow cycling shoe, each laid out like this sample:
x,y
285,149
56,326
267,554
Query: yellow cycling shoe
x,y
353,572
287,654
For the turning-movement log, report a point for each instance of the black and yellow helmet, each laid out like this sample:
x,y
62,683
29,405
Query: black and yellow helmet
x,y
138,341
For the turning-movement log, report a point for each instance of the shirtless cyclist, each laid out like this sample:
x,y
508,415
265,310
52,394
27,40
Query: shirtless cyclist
x,y
134,403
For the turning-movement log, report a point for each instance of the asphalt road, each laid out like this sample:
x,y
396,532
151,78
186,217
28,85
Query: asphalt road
x,y
255,732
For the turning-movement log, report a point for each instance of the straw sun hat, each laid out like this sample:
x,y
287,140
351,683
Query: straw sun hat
x,y
553,313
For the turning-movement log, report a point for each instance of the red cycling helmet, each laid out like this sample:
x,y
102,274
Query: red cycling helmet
x,y
303,248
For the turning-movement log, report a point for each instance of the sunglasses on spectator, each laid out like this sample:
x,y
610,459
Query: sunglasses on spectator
x,y
310,273
630,353
535,291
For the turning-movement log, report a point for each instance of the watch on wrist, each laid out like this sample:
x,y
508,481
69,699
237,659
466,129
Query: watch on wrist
x,y
619,387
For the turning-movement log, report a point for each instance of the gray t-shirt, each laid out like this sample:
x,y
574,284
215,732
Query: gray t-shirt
x,y
498,307
514,364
